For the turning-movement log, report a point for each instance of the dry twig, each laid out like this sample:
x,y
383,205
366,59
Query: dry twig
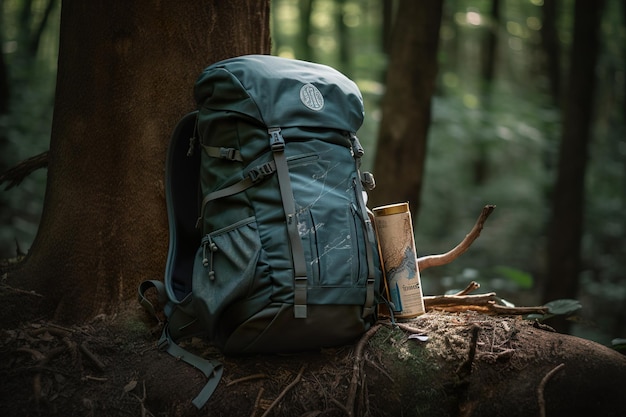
x,y
471,287
484,303
445,258
285,391
256,402
144,411
246,378
93,358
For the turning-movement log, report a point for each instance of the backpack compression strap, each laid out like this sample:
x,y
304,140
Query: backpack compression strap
x,y
254,176
277,144
357,150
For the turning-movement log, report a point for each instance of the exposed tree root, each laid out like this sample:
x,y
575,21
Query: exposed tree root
x,y
542,385
357,368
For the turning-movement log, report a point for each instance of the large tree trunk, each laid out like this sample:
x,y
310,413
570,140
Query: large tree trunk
x,y
566,225
406,107
125,76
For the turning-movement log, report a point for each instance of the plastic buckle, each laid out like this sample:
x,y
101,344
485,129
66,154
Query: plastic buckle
x,y
227,153
257,173
368,181
163,343
357,149
277,142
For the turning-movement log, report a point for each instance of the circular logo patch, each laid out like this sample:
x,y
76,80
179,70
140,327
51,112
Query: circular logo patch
x,y
311,97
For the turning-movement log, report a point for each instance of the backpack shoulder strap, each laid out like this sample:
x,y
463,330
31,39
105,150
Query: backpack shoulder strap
x,y
211,368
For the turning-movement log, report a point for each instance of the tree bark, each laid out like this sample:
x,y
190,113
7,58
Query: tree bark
x,y
566,224
126,74
406,107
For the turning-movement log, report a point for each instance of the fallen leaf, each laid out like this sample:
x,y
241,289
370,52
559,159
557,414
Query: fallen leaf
x,y
419,337
130,386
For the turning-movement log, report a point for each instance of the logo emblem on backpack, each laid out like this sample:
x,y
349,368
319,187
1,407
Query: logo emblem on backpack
x,y
311,97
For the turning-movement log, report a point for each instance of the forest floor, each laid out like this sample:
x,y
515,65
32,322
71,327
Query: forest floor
x,y
110,366
89,369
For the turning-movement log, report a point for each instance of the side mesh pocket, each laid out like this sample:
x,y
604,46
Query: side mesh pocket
x,y
226,272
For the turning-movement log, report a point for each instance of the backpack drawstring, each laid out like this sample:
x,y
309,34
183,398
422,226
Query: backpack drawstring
x,y
206,241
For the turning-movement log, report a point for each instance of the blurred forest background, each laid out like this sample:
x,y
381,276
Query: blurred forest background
x,y
494,136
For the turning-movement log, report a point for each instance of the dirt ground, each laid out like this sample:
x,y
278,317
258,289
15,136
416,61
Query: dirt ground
x,y
464,364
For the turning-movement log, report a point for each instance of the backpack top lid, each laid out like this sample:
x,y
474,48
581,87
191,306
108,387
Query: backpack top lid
x,y
281,92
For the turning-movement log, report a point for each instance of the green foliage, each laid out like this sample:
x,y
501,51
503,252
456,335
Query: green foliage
x,y
26,127
563,307
522,279
619,345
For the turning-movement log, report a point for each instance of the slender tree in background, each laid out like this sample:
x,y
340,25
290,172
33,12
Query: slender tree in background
x,y
343,32
489,52
552,47
488,71
387,12
125,76
305,51
566,224
406,107
5,91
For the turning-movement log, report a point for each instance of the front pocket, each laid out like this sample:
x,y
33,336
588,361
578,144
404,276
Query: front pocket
x,y
228,270
330,242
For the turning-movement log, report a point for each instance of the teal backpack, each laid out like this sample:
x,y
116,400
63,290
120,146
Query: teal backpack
x,y
271,245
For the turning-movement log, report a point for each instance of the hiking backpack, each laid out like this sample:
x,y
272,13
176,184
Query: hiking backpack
x,y
271,245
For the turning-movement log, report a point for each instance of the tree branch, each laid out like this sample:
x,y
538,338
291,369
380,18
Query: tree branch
x,y
486,303
16,175
445,258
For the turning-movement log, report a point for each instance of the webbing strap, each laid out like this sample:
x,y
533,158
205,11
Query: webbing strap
x,y
231,154
212,369
277,143
368,307
254,176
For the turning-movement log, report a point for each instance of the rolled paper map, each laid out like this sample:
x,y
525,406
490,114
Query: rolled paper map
x,y
394,228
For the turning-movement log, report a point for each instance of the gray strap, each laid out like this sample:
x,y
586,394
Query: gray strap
x,y
231,154
277,143
368,307
212,369
254,176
